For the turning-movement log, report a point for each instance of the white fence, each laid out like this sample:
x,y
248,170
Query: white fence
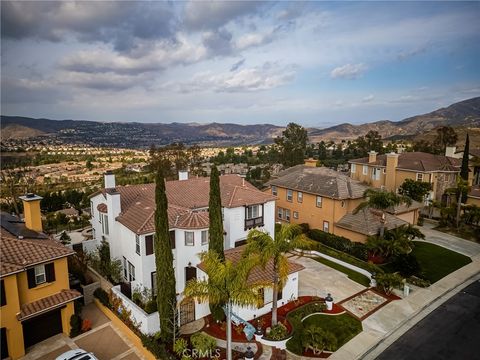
x,y
148,323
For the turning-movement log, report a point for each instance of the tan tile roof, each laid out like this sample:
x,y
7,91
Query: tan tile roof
x,y
403,208
417,161
258,274
17,254
367,222
48,303
320,181
186,201
474,192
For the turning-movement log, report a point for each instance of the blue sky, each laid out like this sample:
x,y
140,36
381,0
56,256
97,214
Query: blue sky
x,y
315,63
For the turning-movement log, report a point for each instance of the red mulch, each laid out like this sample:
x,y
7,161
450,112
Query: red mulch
x,y
218,330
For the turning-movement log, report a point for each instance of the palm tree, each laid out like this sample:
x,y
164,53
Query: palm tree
x,y
227,284
382,200
286,239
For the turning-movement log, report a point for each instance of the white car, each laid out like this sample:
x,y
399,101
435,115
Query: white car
x,y
77,354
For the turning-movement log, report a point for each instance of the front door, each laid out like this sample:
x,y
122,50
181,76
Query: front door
x,y
187,312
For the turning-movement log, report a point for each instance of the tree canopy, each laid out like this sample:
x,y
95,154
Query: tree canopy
x,y
416,190
293,144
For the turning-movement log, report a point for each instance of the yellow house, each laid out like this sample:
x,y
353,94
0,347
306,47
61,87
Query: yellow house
x,y
36,300
473,197
325,199
391,170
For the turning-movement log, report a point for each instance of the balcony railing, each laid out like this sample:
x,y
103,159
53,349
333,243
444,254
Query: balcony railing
x,y
252,223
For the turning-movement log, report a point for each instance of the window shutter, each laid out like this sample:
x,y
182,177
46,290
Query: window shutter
x,y
172,239
50,272
31,278
149,245
3,298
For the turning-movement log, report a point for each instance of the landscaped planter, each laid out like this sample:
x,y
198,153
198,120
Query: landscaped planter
x,y
279,344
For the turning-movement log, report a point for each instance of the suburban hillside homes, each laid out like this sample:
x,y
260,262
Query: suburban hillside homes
x,y
389,171
36,300
124,217
326,199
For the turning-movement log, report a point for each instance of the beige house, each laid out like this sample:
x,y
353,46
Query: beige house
x,y
391,170
326,199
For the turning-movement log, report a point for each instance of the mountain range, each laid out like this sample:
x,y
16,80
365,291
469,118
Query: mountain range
x,y
464,114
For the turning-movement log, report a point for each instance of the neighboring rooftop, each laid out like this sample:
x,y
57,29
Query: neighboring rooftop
x,y
368,222
474,192
258,274
17,254
16,227
320,181
416,161
187,202
473,152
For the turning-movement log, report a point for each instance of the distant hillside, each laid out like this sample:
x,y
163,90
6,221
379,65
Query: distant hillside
x,y
464,113
138,134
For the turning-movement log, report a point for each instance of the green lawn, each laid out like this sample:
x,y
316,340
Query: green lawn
x,y
353,275
437,262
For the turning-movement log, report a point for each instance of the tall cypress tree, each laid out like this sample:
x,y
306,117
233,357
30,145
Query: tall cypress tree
x,y
166,292
466,151
215,214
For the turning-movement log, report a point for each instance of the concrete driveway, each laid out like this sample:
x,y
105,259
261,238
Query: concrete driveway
x,y
451,242
318,279
105,341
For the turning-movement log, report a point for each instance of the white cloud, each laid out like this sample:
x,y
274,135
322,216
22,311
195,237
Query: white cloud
x,y
348,71
368,98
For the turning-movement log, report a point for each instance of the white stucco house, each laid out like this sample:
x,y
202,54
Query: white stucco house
x,y
124,217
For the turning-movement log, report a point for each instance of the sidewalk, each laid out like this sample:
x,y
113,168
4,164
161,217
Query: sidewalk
x,y
393,320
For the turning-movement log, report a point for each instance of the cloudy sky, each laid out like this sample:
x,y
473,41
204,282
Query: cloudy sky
x,y
315,63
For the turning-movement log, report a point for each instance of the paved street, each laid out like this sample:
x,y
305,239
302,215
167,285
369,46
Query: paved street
x,y
450,332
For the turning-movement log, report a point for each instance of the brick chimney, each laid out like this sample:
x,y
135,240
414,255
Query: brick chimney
x,y
31,211
372,156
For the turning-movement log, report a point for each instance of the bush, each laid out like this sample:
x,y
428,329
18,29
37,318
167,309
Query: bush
x,y
277,332
305,228
418,282
203,343
102,296
151,307
314,337
420,220
217,312
180,346
78,306
406,264
295,343
387,282
75,325
340,243
155,347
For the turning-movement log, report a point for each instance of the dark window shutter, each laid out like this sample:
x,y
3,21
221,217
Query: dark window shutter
x,y
31,278
279,294
3,299
172,238
50,272
149,245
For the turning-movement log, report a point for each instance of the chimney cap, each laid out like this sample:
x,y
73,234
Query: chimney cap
x,y
30,197
108,172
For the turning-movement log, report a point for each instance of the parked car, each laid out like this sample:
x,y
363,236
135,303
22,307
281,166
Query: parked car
x,y
77,354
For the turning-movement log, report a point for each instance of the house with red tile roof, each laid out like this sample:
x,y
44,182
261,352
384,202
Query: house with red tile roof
x,y
124,217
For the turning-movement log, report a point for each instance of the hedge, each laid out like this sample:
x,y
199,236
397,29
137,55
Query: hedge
x,y
340,243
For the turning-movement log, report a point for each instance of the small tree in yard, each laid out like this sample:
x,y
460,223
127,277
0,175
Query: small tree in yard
x,y
65,239
387,282
166,292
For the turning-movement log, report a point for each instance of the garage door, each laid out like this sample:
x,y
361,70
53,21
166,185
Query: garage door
x,y
42,327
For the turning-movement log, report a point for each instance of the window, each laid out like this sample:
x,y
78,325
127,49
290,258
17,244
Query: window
x,y
353,168
365,170
137,244
125,269
148,245
131,272
287,214
384,170
204,237
91,208
419,177
252,212
189,238
105,224
326,226
299,196
154,283
40,276
280,213
3,298
376,174
289,195
319,201
343,203
295,214
172,239
274,190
